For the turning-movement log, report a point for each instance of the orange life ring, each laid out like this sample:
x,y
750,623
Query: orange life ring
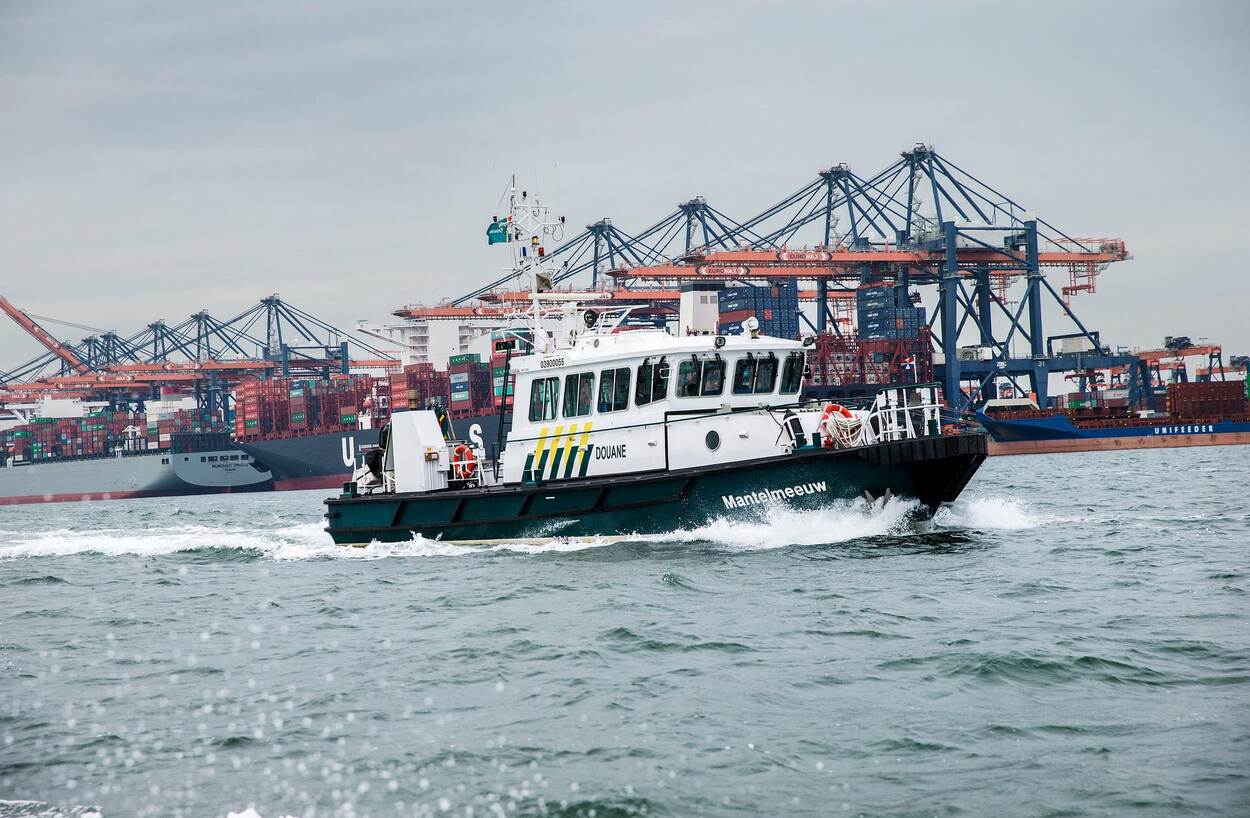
x,y
831,409
463,462
834,409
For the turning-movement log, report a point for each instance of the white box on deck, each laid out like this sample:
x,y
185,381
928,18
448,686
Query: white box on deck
x,y
417,452
698,312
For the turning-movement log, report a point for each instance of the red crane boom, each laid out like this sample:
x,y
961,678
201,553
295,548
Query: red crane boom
x,y
43,336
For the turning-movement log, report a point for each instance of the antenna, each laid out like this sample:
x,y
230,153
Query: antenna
x,y
529,229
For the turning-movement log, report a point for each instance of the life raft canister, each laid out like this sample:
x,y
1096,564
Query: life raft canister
x,y
463,462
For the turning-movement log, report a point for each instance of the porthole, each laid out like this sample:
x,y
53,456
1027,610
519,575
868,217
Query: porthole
x,y
712,440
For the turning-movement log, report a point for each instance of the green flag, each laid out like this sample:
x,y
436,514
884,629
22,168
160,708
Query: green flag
x,y
497,232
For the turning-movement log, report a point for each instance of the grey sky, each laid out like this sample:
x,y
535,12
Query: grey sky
x,y
165,157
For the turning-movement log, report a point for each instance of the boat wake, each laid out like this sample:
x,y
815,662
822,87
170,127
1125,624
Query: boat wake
x,y
291,542
775,527
297,542
990,514
41,809
781,527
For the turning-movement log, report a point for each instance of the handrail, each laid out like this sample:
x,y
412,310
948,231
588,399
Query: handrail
x,y
891,415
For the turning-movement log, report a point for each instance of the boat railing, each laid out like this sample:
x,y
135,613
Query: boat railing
x,y
904,412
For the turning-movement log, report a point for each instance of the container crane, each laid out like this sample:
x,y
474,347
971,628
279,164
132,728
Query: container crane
x,y
60,350
214,356
968,241
1172,357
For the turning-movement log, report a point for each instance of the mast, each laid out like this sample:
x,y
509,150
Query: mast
x,y
529,227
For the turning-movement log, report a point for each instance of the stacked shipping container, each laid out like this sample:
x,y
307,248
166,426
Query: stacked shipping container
x,y
417,386
501,342
103,433
1207,399
841,360
472,389
1106,398
879,316
281,407
775,306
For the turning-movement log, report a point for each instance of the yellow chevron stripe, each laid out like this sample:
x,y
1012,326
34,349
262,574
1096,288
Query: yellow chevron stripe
x,y
542,444
581,444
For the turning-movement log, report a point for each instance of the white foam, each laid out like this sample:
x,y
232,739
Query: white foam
x,y
292,542
779,527
298,542
989,514
250,812
421,547
561,545
776,527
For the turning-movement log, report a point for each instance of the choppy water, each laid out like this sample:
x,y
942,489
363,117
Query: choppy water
x,y
1072,638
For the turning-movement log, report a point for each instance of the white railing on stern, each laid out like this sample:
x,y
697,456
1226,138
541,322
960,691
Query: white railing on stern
x,y
904,412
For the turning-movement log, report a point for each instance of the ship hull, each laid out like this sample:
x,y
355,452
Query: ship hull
x,y
1118,443
1057,434
325,461
932,470
159,474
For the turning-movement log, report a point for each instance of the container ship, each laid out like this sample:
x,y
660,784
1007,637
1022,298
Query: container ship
x,y
115,455
1213,413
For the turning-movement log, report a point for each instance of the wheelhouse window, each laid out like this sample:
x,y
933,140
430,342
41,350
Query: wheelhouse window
x,y
765,375
544,395
744,375
698,377
614,389
713,376
688,373
792,373
652,382
579,391
755,376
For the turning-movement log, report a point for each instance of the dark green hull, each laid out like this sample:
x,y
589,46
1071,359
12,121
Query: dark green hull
x,y
932,470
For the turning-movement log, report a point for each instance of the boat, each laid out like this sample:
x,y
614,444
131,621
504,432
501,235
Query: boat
x,y
642,432
1054,431
1212,413
623,431
213,467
